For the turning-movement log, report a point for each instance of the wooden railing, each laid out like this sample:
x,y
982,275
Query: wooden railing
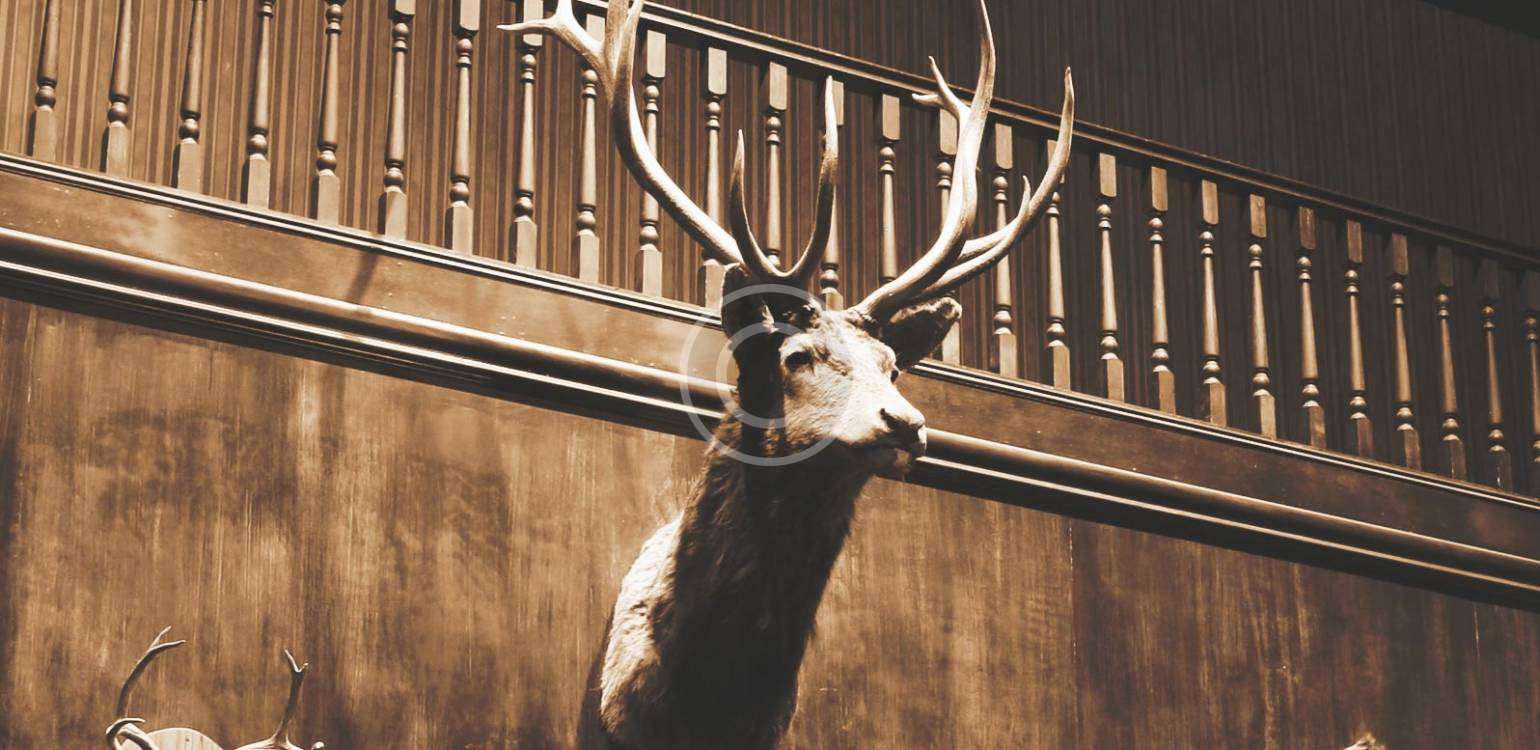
x,y
1159,278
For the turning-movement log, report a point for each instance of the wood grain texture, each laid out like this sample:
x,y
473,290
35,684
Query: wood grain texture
x,y
445,560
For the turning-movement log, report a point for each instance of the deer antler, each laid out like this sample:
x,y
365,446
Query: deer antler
x,y
612,59
157,646
280,738
950,260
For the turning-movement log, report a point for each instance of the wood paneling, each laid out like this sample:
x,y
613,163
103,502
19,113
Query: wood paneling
x,y
445,560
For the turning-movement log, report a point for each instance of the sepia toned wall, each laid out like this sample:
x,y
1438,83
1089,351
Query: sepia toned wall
x,y
446,559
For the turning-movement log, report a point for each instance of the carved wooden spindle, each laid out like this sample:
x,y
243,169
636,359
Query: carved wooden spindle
x,y
45,122
1058,323
1261,372
887,221
1309,363
1160,326
1361,432
258,188
524,237
946,152
1002,353
328,187
1407,446
187,172
461,219
829,277
1532,347
1451,443
115,153
1211,405
711,271
393,204
1112,364
649,258
585,244
1500,462
775,119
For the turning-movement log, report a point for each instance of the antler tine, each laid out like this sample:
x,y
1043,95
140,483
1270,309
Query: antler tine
x,y
156,647
296,681
800,274
120,726
963,202
613,60
979,254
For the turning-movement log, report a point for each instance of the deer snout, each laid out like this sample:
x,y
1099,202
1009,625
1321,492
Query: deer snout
x,y
906,427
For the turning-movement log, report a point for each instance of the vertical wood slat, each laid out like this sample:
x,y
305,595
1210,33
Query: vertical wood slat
x,y
1057,363
1452,445
1261,372
393,204
1407,445
1309,362
187,170
946,151
887,220
327,204
1164,390
257,189
829,278
460,221
1360,426
586,258
524,235
1211,404
1002,354
775,118
1531,288
649,257
711,270
1112,364
1499,469
119,100
45,121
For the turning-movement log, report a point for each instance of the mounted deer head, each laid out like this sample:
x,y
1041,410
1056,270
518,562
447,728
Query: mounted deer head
x,y
709,629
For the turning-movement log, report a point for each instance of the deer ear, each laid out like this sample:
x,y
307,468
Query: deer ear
x,y
915,331
743,309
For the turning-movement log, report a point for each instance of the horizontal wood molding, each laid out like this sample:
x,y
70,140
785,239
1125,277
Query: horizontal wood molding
x,y
1391,522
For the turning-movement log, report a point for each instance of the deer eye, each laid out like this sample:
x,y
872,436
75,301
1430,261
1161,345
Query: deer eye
x,y
798,359
893,376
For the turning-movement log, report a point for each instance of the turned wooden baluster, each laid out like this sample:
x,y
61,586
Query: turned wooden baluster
x,y
1002,353
775,118
1452,444
711,271
829,277
1112,365
461,218
585,244
524,236
1361,429
45,122
258,188
887,221
328,187
946,151
1211,404
187,170
649,258
1058,324
1164,389
1532,347
1309,363
1407,446
1261,372
115,153
1500,462
393,204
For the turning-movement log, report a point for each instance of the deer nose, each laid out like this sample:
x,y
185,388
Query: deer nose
x,y
907,427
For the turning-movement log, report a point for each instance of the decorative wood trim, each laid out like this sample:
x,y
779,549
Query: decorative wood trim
x,y
44,143
328,187
946,151
829,276
187,163
1406,448
1164,390
1451,442
1309,364
887,221
1261,375
1499,460
1002,350
1057,362
257,183
956,462
1112,364
524,235
712,273
1531,291
776,96
1360,427
393,204
119,100
460,221
648,277
1211,399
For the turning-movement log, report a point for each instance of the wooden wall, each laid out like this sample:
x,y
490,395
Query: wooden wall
x,y
446,561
